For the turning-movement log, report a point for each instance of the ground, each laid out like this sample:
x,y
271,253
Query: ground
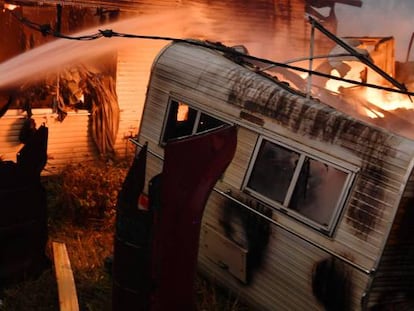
x,y
89,243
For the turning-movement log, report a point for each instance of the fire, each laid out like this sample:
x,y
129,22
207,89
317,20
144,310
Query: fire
x,y
372,113
8,6
384,100
388,101
355,73
182,114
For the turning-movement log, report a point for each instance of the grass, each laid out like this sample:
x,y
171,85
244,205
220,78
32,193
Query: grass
x,y
81,213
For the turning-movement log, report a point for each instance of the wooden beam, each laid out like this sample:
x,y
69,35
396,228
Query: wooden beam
x,y
68,299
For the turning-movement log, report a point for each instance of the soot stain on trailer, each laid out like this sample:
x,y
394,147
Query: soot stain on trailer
x,y
321,122
331,284
405,231
256,231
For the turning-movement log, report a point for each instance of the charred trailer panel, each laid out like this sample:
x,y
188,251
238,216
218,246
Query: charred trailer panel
x,y
313,213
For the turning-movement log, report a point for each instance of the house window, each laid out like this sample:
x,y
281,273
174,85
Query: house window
x,y
184,120
305,187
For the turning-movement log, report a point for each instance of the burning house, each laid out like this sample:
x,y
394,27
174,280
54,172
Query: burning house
x,y
61,100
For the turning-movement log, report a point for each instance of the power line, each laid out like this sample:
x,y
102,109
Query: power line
x,y
46,30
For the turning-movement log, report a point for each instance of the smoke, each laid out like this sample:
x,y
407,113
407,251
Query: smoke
x,y
382,18
51,57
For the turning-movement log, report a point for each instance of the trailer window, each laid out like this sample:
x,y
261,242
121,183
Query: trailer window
x,y
207,122
180,121
183,120
273,171
309,189
317,191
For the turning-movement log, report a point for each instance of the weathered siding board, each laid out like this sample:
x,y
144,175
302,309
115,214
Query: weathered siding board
x,y
134,64
8,143
363,247
373,203
191,83
156,112
69,142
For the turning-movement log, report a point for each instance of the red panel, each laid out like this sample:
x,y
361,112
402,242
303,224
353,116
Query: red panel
x,y
132,243
192,167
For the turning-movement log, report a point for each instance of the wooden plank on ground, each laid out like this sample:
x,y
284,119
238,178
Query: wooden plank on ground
x,y
68,299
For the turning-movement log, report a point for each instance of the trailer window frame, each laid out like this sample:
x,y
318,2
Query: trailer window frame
x,y
194,119
343,173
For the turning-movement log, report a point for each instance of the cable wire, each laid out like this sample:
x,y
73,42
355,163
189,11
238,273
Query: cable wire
x,y
46,30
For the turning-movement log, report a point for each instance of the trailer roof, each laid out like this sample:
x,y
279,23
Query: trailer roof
x,y
398,121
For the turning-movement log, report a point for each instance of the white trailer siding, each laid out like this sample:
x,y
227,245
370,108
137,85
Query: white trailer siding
x,y
284,279
380,160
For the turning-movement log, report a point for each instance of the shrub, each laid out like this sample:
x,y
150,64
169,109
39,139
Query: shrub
x,y
86,192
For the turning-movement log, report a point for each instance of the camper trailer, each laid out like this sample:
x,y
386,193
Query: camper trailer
x,y
315,210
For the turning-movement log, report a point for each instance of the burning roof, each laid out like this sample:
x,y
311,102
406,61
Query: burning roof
x,y
360,83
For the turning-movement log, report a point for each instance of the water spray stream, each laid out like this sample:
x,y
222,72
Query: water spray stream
x,y
51,57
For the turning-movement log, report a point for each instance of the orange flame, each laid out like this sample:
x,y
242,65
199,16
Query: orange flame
x,y
11,7
384,100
